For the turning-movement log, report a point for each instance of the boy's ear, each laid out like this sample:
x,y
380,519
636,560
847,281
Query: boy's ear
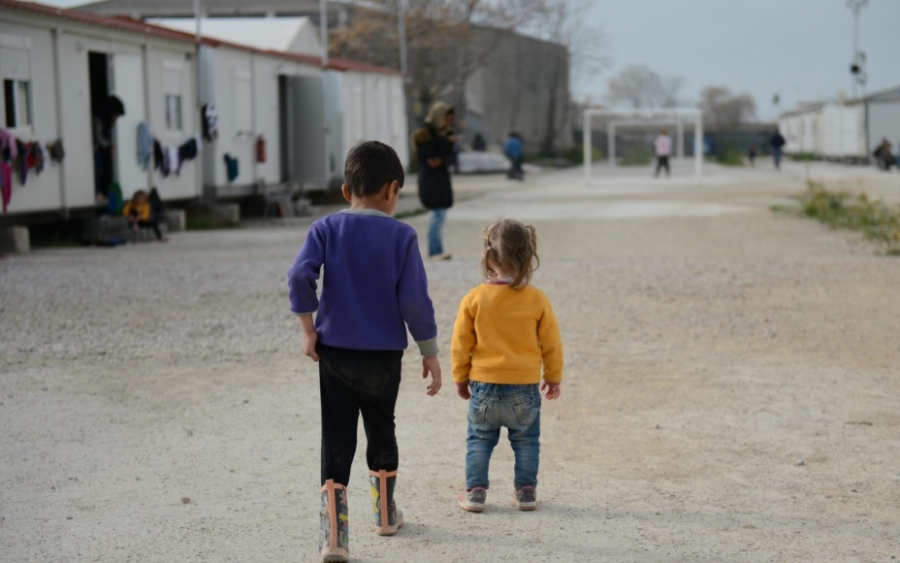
x,y
345,191
392,188
387,190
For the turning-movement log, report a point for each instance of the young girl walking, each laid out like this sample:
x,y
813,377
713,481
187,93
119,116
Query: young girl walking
x,y
505,341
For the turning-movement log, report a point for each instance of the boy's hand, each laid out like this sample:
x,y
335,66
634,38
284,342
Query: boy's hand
x,y
432,366
309,345
552,390
462,389
310,336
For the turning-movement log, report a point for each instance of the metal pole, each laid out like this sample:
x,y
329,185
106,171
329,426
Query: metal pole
x,y
856,6
199,185
586,146
698,148
401,30
326,117
323,31
611,143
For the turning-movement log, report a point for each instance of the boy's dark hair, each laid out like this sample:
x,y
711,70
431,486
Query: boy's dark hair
x,y
370,165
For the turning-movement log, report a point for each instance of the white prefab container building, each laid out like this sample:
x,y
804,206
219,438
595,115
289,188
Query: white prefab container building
x,y
55,64
843,131
326,113
801,130
56,61
883,118
847,130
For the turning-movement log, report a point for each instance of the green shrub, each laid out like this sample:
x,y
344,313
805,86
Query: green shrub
x,y
730,158
638,157
840,210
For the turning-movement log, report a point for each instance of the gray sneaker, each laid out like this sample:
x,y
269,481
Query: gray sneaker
x,y
526,498
473,500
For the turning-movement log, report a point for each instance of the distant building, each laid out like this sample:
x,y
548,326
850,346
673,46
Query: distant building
x,y
291,34
143,9
843,129
523,86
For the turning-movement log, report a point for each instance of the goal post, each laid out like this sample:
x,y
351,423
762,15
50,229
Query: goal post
x,y
662,117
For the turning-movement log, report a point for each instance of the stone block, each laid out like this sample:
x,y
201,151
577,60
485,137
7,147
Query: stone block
x,y
176,219
15,240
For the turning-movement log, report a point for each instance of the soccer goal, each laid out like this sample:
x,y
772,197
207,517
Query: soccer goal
x,y
630,134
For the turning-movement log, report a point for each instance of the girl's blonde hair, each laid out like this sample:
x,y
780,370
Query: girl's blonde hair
x,y
510,246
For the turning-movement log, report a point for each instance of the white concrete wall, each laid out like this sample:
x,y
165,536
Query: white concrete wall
x,y
884,123
228,67
39,192
174,62
843,131
267,119
374,110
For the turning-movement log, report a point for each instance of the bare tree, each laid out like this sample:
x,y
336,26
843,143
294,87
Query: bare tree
x,y
722,108
442,52
640,87
565,22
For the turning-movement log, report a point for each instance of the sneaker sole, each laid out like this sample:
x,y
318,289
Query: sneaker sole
x,y
470,506
526,506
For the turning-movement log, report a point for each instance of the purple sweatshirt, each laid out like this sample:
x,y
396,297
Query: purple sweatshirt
x,y
373,284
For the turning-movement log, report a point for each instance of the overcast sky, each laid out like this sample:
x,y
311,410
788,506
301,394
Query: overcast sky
x,y
798,49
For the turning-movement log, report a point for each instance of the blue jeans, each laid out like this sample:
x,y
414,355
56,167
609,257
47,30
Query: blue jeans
x,y
435,227
518,408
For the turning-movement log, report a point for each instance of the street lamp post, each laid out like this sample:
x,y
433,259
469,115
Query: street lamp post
x,y
857,67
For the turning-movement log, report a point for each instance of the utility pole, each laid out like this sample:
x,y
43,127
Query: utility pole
x,y
857,67
401,30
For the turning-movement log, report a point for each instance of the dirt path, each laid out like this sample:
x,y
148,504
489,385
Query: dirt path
x,y
731,393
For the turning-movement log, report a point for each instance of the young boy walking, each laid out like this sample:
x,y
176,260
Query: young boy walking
x,y
373,289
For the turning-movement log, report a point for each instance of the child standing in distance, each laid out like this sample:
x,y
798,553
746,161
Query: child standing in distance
x,y
504,336
373,289
663,147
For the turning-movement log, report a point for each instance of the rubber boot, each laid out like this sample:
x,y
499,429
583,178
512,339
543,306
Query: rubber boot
x,y
334,530
388,518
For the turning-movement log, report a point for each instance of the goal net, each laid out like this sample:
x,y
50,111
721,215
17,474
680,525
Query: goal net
x,y
621,138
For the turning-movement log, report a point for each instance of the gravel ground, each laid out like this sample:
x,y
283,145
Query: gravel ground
x,y
730,393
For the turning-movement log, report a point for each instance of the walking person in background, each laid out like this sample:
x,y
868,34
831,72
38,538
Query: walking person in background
x,y
434,146
777,143
663,146
514,152
374,289
505,340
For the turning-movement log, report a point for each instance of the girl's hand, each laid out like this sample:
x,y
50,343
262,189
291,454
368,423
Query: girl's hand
x,y
552,390
462,389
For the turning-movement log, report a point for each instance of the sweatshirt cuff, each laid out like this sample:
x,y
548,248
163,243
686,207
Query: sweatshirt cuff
x,y
428,347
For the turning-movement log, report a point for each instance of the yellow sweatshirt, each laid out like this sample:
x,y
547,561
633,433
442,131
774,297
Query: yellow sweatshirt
x,y
140,210
505,336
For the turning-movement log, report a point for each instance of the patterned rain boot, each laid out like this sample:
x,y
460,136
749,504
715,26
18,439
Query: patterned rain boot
x,y
388,518
334,530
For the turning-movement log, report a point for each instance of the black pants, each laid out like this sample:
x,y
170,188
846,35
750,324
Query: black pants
x,y
354,382
153,223
662,162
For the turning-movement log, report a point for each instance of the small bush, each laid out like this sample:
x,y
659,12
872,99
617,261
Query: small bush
x,y
730,158
840,210
803,156
637,157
